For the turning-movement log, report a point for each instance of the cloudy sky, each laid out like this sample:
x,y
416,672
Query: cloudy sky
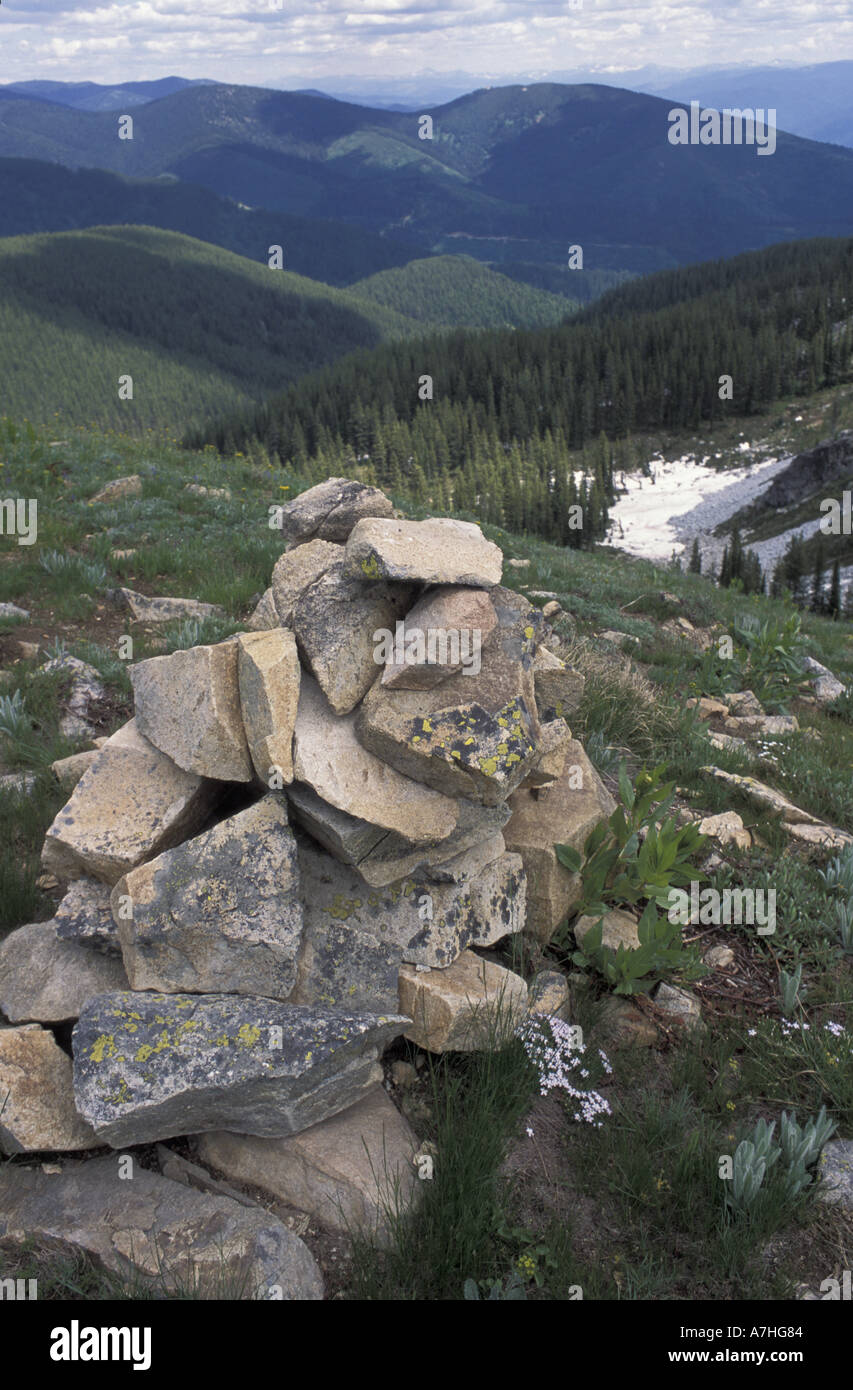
x,y
302,42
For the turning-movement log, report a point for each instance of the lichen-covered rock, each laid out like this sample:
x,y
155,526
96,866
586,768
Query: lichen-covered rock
x,y
429,922
46,980
85,916
336,621
444,633
150,1227
296,570
188,706
149,1066
555,746
472,1004
330,510
343,966
437,551
268,674
328,756
219,914
351,1171
472,736
37,1111
559,688
133,802
383,856
565,812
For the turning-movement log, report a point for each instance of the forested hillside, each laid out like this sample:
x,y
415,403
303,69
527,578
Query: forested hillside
x,y
197,328
508,408
36,196
457,291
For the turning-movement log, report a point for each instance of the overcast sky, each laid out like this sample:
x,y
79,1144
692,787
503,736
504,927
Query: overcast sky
x,y
301,42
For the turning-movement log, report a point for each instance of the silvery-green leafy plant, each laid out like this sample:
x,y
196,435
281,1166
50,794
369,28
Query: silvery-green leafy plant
x,y
844,918
804,1144
838,874
789,989
514,1290
798,1147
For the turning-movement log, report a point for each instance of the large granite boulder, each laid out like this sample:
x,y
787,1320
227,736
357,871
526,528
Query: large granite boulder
x,y
429,922
473,1004
444,633
354,1171
295,571
438,551
140,1225
382,856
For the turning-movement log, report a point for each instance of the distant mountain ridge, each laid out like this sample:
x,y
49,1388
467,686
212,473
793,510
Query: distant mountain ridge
x,y
515,173
96,96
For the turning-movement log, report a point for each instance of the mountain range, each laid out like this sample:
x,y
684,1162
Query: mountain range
x,y
513,174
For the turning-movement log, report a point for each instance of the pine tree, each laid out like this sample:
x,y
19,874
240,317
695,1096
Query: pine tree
x,y
695,566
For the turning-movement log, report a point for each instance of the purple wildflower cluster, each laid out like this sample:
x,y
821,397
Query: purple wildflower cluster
x,y
552,1047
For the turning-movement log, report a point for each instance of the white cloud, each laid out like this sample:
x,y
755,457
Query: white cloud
x,y
263,41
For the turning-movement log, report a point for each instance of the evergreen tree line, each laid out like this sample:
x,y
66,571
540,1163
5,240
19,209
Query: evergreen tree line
x,y
498,426
806,583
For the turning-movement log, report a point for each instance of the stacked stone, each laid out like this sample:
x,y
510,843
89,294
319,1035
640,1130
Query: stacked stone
x,y
285,860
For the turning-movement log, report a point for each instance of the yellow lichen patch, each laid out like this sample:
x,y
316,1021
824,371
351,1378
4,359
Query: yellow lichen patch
x,y
528,632
223,1040
489,766
122,1094
341,908
370,567
144,1053
503,749
247,1035
102,1047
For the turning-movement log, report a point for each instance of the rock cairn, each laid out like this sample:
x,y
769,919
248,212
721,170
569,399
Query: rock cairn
x,y
290,855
